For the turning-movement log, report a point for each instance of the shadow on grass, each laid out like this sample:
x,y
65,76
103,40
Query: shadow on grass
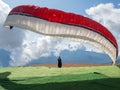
x,y
97,84
118,66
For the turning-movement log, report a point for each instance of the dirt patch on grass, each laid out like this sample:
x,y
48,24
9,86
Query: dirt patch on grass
x,y
72,65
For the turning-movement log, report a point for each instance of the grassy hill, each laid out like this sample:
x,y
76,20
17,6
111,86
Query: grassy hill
x,y
72,78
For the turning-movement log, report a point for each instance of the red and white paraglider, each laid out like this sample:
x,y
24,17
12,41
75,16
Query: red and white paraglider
x,y
58,23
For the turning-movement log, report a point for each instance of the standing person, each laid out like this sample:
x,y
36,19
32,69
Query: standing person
x,y
59,62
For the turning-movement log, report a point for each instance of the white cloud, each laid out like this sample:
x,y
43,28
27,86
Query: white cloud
x,y
9,39
119,4
4,10
109,16
40,46
106,14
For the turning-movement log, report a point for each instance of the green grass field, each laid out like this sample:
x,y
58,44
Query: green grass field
x,y
72,78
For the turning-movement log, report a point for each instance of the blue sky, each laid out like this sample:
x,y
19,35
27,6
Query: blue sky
x,y
77,6
19,48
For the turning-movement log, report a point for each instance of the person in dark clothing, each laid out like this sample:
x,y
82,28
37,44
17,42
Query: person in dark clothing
x,y
59,62
11,27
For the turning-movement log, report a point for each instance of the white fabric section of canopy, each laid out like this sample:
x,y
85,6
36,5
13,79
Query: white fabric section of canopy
x,y
71,32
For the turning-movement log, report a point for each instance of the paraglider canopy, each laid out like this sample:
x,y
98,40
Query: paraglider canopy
x,y
58,23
